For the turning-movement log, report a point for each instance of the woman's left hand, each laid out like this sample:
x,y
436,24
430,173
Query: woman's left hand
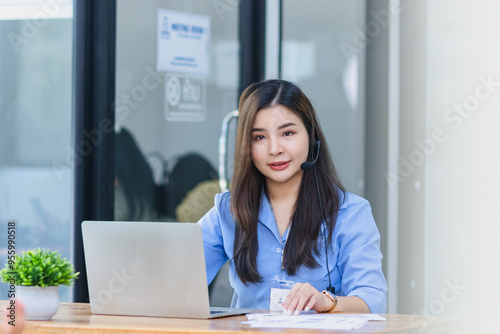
x,y
304,296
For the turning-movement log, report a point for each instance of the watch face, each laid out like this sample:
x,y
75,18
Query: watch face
x,y
330,294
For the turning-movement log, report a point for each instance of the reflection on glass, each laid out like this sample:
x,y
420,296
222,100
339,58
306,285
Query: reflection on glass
x,y
185,194
134,184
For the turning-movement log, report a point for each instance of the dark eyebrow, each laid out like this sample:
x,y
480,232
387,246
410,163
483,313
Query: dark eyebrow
x,y
286,125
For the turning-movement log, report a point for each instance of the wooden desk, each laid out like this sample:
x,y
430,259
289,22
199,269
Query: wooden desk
x,y
77,318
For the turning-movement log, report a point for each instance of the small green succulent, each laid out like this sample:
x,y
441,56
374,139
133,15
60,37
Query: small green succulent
x,y
38,267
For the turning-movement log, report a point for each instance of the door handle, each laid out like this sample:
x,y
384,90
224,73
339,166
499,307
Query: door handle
x,y
223,183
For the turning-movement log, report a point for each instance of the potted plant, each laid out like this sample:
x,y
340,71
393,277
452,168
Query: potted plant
x,y
35,277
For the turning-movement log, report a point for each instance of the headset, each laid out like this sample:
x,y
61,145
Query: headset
x,y
309,164
306,166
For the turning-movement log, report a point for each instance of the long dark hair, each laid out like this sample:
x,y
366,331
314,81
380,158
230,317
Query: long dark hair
x,y
135,175
248,184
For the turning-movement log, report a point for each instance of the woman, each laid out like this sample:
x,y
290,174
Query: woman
x,y
276,221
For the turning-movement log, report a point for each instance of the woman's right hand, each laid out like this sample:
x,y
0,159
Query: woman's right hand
x,y
305,297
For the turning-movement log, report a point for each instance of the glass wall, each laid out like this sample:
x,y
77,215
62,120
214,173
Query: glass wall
x,y
36,158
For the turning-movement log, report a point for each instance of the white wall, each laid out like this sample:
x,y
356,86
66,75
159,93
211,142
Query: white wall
x,y
449,220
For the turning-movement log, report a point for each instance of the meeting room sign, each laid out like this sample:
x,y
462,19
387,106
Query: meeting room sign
x,y
183,54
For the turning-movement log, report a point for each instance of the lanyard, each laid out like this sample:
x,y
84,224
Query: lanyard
x,y
281,244
279,236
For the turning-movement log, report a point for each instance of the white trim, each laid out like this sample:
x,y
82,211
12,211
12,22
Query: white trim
x,y
393,158
273,39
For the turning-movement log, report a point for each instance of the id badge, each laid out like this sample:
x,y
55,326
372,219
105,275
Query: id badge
x,y
279,292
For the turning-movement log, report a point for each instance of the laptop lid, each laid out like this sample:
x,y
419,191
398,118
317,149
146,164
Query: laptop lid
x,y
146,269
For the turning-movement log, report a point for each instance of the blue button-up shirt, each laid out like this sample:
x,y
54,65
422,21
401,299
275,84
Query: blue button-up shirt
x,y
354,257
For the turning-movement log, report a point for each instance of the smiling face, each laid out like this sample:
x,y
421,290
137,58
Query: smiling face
x,y
279,145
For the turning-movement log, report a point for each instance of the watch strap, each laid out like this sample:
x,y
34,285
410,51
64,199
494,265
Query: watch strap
x,y
333,298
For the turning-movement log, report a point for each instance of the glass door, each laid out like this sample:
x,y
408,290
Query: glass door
x,y
177,65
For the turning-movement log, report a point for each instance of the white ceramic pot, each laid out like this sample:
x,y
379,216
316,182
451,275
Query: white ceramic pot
x,y
40,303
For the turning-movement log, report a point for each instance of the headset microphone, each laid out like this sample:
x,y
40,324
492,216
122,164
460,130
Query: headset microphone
x,y
308,164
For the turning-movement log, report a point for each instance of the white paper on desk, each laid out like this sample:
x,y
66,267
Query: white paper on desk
x,y
314,321
367,316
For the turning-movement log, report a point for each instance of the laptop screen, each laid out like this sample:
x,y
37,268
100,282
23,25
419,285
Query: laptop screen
x,y
146,269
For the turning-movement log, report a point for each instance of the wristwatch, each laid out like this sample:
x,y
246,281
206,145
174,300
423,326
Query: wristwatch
x,y
333,298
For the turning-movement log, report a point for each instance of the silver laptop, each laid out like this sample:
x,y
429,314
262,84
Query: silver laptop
x,y
148,269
